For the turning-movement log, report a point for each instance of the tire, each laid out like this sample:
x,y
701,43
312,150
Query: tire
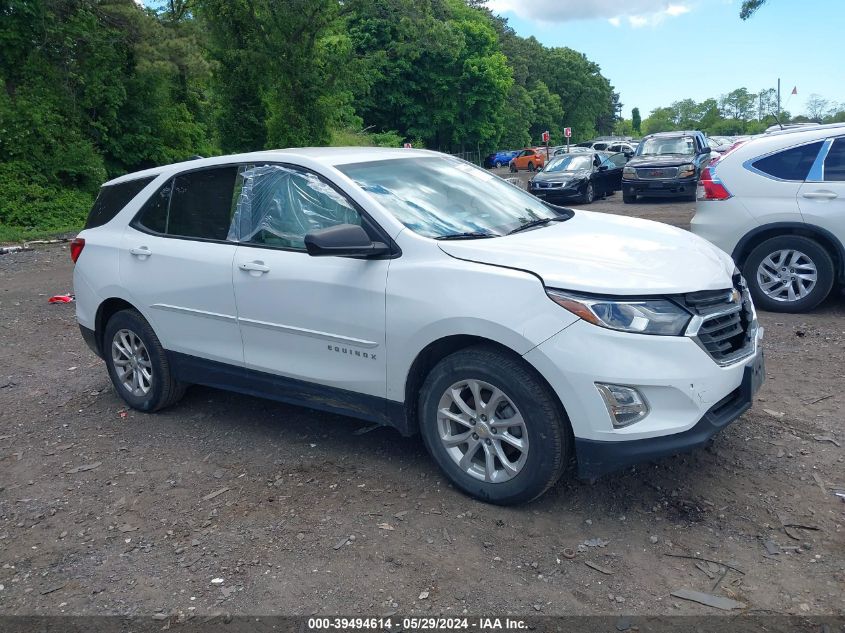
x,y
513,168
123,329
531,167
545,428
589,194
783,249
497,164
629,198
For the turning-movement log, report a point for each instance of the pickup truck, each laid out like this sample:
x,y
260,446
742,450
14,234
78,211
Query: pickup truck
x,y
666,164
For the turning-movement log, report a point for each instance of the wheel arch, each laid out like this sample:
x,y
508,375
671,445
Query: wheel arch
x,y
439,349
824,237
105,311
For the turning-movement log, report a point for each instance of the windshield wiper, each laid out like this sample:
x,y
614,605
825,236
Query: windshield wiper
x,y
534,223
469,235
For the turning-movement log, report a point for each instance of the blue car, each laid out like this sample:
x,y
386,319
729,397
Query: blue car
x,y
502,158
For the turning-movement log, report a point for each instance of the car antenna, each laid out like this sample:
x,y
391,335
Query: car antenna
x,y
775,116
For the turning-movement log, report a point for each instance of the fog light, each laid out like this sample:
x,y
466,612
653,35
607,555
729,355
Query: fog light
x,y
625,405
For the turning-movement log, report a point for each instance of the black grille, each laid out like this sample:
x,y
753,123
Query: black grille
x,y
726,320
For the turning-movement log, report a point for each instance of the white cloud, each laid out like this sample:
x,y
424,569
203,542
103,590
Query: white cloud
x,y
639,13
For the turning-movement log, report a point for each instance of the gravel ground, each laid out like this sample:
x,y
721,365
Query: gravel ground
x,y
229,503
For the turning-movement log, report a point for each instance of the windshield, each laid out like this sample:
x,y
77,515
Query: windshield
x,y
571,162
657,145
442,196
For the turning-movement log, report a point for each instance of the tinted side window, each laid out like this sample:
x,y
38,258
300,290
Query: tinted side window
x,y
278,205
790,164
201,203
834,164
112,199
153,215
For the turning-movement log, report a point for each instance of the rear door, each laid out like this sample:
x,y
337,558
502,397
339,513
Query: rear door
x,y
314,319
822,196
783,172
177,263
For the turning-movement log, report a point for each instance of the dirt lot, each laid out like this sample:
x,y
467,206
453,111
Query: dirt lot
x,y
228,503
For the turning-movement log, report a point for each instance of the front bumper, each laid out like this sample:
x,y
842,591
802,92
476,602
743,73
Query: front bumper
x,y
596,458
669,187
558,194
689,395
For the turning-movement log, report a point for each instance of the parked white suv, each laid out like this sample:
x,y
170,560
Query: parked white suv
x,y
415,290
776,202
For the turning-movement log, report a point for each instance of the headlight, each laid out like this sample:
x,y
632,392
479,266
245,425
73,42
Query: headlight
x,y
686,170
647,316
629,172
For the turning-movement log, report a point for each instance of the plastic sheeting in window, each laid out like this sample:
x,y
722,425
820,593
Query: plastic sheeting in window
x,y
277,206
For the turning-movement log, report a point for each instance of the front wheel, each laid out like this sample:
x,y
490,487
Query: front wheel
x,y
492,425
137,363
497,164
629,198
589,194
789,273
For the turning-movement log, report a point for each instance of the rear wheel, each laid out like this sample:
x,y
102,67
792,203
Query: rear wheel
x,y
513,168
530,166
493,426
137,363
789,273
497,164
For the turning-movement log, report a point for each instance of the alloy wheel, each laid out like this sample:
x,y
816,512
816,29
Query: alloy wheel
x,y
787,275
482,431
132,362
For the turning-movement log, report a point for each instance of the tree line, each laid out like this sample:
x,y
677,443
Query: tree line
x,y
90,89
738,112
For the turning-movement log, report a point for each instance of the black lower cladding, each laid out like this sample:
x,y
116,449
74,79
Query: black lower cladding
x,y
596,458
200,371
90,338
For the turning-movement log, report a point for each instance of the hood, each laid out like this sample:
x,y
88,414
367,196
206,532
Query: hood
x,y
557,176
606,254
665,160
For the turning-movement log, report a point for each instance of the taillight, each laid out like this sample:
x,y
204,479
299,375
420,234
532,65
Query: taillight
x,y
76,247
710,187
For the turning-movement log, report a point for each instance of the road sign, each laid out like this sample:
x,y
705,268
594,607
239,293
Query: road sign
x,y
546,136
567,132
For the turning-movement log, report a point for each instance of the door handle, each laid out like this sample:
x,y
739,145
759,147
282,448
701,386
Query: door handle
x,y
254,267
141,251
820,195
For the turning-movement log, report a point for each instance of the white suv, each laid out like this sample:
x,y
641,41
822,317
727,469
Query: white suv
x,y
415,290
777,204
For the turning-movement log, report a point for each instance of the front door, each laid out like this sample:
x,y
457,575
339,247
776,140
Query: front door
x,y
178,263
316,319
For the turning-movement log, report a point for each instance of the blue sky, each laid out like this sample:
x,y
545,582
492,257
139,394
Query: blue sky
x,y
658,51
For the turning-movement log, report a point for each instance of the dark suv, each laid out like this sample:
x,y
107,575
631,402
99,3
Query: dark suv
x,y
666,164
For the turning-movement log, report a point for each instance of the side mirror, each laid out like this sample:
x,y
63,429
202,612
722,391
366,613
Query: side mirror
x,y
343,240
602,167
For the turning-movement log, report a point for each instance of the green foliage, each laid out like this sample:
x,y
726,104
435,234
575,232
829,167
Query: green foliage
x,y
91,89
352,138
31,207
636,120
749,8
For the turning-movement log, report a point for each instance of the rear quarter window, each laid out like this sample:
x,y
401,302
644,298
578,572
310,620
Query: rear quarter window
x,y
112,198
790,164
